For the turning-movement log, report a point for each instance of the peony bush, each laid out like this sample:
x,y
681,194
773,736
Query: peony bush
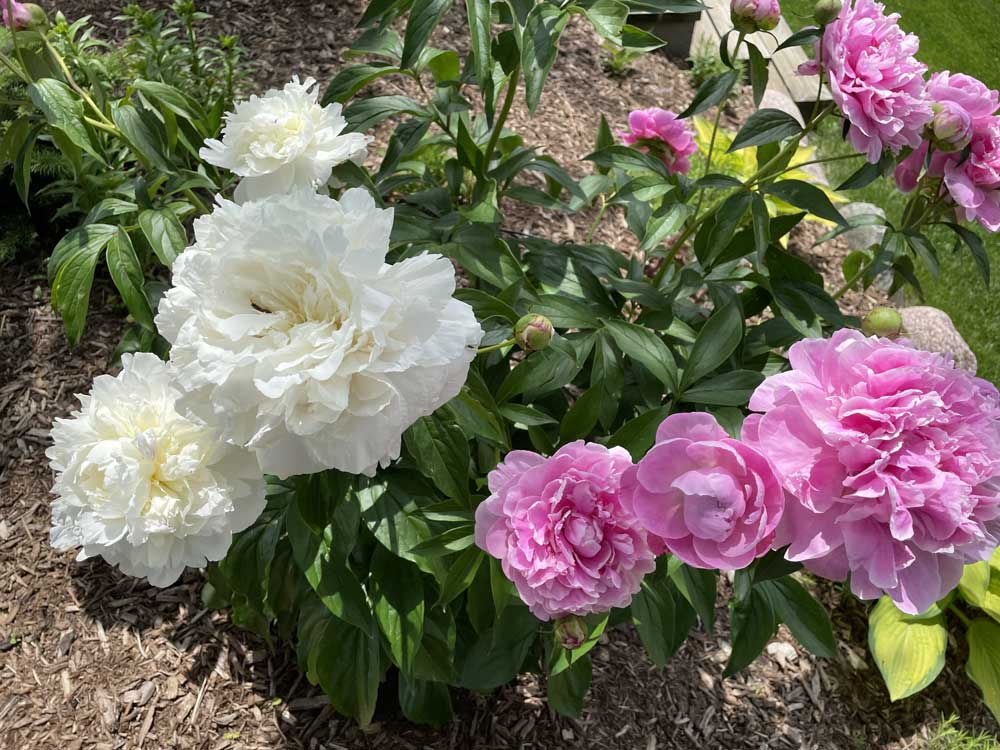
x,y
482,448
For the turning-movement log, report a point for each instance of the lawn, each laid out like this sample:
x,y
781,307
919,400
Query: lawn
x,y
960,36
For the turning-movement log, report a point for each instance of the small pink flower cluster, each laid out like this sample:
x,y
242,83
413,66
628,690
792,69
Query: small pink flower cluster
x,y
869,458
663,134
879,86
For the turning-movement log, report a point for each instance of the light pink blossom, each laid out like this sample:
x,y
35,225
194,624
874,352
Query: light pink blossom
x,y
874,78
891,458
21,14
660,132
712,501
560,531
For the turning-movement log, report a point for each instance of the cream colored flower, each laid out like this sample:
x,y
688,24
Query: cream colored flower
x,y
283,140
143,487
291,331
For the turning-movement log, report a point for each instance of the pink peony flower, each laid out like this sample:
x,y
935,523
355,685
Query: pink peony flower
x,y
712,501
21,13
662,133
560,531
969,93
891,458
874,78
750,16
973,181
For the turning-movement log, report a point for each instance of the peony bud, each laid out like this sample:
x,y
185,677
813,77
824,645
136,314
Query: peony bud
x,y
533,332
37,18
571,632
951,129
22,15
884,322
826,11
749,16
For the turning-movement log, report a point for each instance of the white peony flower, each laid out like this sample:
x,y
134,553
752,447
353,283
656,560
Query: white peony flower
x,y
291,331
143,487
282,140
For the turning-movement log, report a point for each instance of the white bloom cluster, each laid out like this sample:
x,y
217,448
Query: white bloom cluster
x,y
291,332
144,487
296,349
283,140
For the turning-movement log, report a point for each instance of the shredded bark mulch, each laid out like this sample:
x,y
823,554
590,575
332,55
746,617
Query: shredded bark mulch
x,y
92,659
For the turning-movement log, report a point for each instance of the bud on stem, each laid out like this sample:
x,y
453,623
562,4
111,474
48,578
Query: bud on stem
x,y
826,11
533,332
571,632
884,322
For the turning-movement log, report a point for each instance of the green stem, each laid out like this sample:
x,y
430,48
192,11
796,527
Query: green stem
x,y
13,38
198,202
597,220
495,347
74,85
851,282
825,160
508,102
14,68
960,615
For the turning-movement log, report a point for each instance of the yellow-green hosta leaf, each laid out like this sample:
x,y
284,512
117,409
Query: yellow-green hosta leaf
x,y
984,660
908,649
975,583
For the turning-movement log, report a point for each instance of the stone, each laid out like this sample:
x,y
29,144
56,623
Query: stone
x,y
863,238
931,329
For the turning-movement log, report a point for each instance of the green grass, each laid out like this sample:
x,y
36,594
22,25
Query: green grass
x,y
960,36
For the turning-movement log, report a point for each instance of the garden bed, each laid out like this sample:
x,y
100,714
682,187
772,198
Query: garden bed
x,y
93,659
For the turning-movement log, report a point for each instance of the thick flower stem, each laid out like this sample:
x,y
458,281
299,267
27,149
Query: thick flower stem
x,y
14,68
960,615
496,347
13,39
597,220
508,102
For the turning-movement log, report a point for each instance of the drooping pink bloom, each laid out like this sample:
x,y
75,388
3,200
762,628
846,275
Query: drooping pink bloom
x,y
891,458
560,531
749,16
874,78
712,501
972,180
660,132
21,14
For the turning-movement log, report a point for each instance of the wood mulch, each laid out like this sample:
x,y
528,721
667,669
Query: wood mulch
x,y
92,659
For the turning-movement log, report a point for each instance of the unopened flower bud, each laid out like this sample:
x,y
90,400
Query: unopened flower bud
x,y
749,16
884,322
826,11
571,632
533,332
38,19
19,16
951,128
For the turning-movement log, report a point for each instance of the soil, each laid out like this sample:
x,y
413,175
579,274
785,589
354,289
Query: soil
x,y
92,659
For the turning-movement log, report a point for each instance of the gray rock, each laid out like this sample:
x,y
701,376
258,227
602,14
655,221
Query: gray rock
x,y
931,329
863,238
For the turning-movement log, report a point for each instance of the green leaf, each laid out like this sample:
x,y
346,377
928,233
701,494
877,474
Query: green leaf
x,y
663,225
640,40
496,657
461,571
698,586
478,12
715,236
803,615
638,435
455,539
22,164
716,341
759,73
975,584
909,650
425,701
441,452
582,416
863,177
661,615
424,17
539,47
348,665
568,689
806,36
806,196
164,233
565,312
983,666
976,247
765,126
398,598
627,159
74,275
646,348
148,144
126,272
63,109
525,415
728,389
351,80
365,114
753,624
711,92
608,18
761,228
542,372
